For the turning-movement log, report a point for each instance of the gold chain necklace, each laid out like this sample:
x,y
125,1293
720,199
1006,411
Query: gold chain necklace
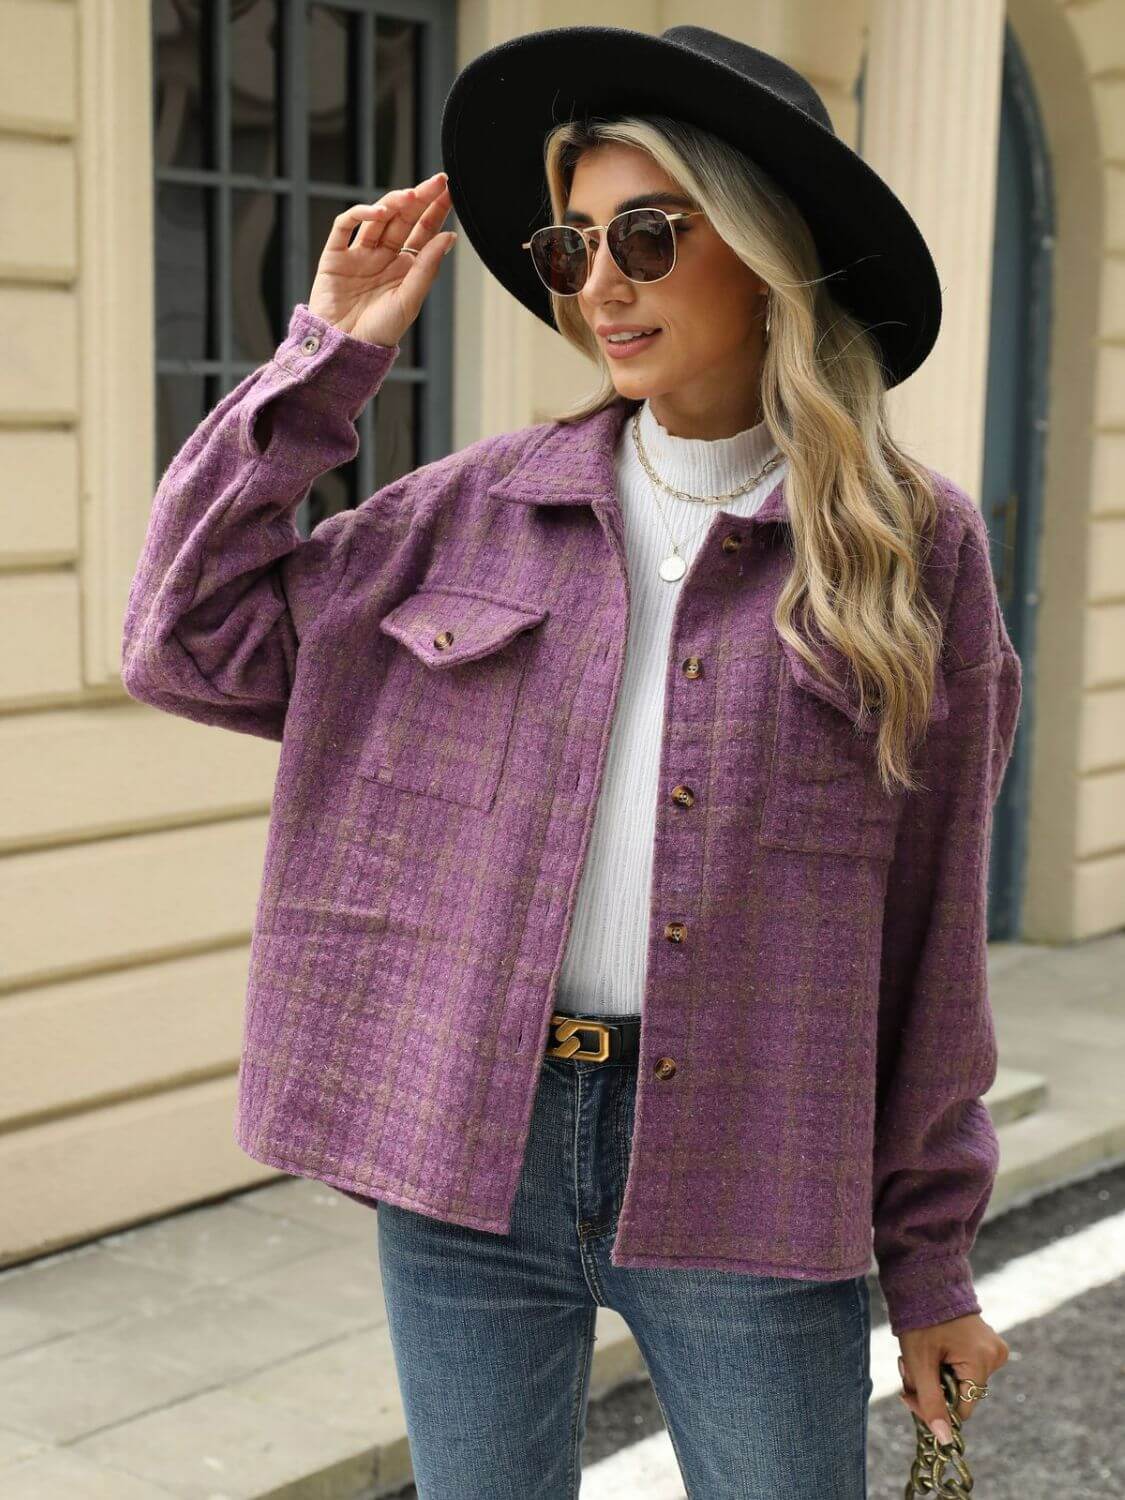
x,y
674,567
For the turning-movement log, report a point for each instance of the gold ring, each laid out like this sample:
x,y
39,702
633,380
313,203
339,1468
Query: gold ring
x,y
975,1391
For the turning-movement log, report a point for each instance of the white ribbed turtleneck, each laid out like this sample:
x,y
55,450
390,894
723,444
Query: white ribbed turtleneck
x,y
603,970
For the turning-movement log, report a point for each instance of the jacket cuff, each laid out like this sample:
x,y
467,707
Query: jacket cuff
x,y
319,352
931,1290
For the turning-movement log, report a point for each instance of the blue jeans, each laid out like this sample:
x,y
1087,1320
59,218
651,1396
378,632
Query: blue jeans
x,y
763,1381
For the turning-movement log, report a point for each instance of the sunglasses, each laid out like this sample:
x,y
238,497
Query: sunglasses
x,y
641,241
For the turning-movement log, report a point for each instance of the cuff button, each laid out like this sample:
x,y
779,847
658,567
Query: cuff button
x,y
310,344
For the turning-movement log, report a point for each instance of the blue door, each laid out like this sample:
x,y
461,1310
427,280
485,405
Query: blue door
x,y
1015,425
1015,430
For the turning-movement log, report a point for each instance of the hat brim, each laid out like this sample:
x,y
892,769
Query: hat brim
x,y
503,103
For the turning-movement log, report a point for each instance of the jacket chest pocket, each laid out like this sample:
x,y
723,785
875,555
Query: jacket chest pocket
x,y
823,792
446,708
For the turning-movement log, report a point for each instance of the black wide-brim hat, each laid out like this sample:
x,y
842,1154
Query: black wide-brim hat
x,y
503,103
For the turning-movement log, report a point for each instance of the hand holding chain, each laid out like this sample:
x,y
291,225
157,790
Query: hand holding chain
x,y
927,1472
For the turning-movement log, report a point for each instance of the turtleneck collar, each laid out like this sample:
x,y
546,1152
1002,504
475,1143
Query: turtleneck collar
x,y
702,466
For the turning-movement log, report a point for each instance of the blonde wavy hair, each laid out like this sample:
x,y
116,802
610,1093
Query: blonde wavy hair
x,y
862,510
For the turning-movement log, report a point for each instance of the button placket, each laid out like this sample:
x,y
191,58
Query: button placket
x,y
683,795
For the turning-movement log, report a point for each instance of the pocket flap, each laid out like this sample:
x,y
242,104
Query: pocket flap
x,y
444,626
843,691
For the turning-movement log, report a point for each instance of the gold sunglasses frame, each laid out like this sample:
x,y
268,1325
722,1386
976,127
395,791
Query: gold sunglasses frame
x,y
584,230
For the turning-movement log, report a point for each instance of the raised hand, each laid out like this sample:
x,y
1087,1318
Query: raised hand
x,y
368,287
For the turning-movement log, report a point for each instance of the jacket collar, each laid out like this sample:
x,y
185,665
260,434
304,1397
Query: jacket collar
x,y
574,464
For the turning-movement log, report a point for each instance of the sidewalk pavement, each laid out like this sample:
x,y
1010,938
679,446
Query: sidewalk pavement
x,y
240,1349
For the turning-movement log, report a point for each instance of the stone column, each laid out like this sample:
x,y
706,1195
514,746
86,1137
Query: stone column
x,y
930,129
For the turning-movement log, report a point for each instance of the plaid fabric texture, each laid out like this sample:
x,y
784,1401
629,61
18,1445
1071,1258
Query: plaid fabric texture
x,y
440,665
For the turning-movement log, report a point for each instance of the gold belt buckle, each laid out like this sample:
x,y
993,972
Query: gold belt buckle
x,y
568,1045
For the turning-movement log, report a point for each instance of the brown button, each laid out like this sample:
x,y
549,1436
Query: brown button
x,y
732,541
443,640
675,932
683,795
664,1067
693,666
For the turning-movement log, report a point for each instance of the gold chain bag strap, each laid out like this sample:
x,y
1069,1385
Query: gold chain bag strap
x,y
927,1472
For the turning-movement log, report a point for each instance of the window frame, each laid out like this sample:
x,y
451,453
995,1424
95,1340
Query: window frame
x,y
117,306
293,189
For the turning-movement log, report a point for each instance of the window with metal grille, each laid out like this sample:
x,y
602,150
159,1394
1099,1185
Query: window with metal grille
x,y
270,116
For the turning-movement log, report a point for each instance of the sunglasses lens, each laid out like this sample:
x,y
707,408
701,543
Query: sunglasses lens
x,y
559,256
641,243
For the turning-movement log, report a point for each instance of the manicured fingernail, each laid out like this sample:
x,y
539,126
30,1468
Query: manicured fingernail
x,y
942,1431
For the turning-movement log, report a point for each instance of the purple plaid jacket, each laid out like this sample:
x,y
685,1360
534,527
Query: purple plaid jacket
x,y
441,667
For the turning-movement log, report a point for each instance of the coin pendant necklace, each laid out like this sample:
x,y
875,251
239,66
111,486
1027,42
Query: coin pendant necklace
x,y
674,566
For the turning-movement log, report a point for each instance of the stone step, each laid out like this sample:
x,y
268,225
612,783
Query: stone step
x,y
1015,1094
1045,1150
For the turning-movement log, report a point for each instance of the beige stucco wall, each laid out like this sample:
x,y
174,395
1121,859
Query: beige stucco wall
x,y
1076,888
131,842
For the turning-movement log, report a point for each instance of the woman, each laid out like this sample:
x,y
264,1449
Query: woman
x,y
622,931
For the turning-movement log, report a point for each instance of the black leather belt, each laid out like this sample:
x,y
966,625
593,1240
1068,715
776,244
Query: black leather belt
x,y
593,1039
